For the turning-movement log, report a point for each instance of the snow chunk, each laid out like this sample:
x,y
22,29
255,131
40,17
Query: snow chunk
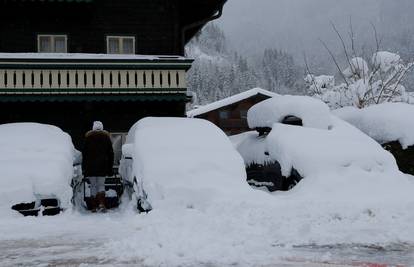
x,y
358,67
185,162
385,122
229,101
385,60
251,147
313,112
320,83
34,159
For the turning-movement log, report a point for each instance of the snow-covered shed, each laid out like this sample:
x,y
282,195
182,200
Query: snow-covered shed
x,y
230,114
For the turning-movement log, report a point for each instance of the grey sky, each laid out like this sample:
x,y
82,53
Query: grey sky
x,y
296,25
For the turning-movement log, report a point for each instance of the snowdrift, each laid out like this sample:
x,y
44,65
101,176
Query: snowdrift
x,y
339,163
384,122
34,159
185,162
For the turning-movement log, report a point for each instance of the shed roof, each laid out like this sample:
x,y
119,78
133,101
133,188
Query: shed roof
x,y
229,101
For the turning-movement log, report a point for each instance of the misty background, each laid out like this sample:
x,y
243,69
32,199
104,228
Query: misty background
x,y
262,43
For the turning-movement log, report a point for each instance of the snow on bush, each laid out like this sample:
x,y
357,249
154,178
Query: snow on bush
x,y
34,159
358,67
386,61
364,84
385,123
185,161
314,113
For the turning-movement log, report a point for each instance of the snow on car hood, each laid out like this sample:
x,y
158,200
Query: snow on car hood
x,y
186,161
34,159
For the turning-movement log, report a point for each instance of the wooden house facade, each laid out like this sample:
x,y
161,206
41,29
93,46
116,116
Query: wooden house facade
x,y
230,114
70,62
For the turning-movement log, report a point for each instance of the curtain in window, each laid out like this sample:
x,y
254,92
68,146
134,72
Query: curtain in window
x,y
60,44
128,46
45,44
113,46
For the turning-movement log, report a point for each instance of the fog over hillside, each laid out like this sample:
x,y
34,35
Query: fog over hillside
x,y
263,43
296,25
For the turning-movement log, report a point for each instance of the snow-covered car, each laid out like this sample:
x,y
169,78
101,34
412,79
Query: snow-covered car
x,y
391,125
297,137
174,162
36,167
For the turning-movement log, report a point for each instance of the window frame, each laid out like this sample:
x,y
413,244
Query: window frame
x,y
224,114
120,39
52,37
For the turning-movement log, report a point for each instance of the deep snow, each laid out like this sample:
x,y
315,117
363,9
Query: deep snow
x,y
385,122
233,225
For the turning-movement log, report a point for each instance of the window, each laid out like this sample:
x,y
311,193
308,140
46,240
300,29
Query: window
x,y
224,114
243,114
52,43
120,44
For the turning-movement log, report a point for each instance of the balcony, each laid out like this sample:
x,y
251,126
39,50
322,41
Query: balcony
x,y
60,75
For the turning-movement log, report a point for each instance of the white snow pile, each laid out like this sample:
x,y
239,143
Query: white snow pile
x,y
358,67
336,159
34,159
313,112
251,147
341,164
386,60
185,161
385,122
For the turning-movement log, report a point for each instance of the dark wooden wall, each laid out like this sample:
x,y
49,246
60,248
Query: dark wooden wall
x,y
156,24
76,118
152,22
235,124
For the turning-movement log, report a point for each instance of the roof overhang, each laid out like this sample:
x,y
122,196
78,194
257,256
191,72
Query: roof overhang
x,y
56,1
91,61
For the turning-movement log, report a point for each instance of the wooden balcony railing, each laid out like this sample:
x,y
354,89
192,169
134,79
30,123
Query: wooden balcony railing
x,y
41,74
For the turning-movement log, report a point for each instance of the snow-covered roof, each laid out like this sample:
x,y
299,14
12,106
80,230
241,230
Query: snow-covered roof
x,y
313,112
229,101
385,122
78,56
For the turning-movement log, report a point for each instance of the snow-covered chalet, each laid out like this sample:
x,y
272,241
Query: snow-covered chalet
x,y
70,62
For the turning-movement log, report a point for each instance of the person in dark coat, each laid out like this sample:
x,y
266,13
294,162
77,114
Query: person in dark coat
x,y
97,163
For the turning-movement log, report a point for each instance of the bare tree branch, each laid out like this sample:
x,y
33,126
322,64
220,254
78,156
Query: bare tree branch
x,y
335,61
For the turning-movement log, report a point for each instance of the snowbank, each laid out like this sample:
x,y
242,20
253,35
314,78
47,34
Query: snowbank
x,y
313,112
385,123
34,159
186,162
